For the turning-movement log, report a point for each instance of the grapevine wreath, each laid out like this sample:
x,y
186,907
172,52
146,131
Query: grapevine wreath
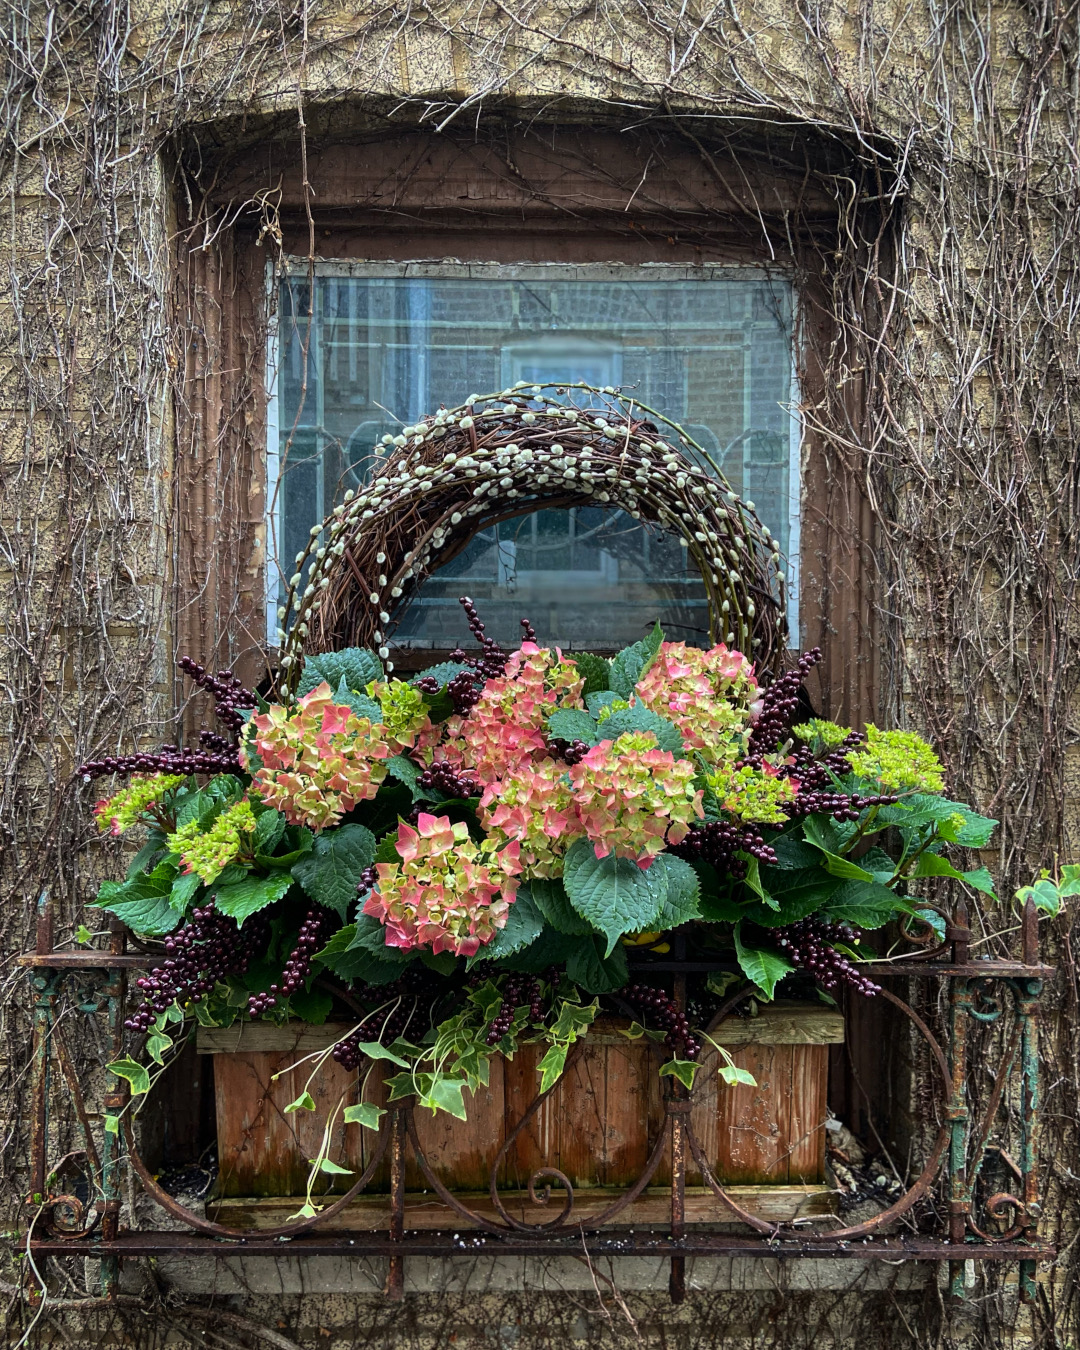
x,y
494,850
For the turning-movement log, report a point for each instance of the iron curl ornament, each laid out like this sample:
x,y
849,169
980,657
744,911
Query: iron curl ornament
x,y
503,455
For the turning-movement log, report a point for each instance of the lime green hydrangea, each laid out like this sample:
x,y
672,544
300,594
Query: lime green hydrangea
x,y
208,853
125,807
616,705
757,796
404,715
826,734
899,761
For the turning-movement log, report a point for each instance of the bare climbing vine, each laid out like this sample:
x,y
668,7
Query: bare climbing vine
x,y
946,137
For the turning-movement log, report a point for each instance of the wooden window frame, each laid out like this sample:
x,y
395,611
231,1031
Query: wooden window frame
x,y
536,195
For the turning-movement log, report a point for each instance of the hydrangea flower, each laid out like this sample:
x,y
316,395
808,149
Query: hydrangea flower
x,y
505,728
712,697
827,734
633,798
899,760
447,893
318,759
534,804
404,713
757,796
120,811
208,852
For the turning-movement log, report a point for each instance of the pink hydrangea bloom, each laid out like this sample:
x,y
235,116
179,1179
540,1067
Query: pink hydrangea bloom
x,y
447,892
712,697
633,798
534,804
505,729
318,759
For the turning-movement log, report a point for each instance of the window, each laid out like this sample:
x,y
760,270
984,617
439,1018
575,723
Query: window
x,y
369,347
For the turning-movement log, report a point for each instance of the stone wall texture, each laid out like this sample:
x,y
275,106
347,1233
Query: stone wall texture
x,y
920,159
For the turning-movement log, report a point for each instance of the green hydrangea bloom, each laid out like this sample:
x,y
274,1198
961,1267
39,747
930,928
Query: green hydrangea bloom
x,y
208,853
120,811
616,705
900,761
827,733
752,794
404,713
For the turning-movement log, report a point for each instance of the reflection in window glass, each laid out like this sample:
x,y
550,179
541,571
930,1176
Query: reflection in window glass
x,y
369,348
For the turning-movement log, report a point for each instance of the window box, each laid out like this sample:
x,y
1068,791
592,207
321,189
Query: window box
x,y
598,1126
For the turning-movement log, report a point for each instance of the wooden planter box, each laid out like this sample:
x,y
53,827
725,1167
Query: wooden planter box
x,y
598,1127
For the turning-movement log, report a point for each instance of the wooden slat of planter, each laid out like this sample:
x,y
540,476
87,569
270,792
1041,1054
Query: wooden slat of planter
x,y
775,1204
784,1023
807,1111
262,1150
752,1138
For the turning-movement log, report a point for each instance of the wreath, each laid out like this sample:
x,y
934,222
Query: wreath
x,y
436,484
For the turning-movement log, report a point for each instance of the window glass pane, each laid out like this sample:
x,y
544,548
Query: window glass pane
x,y
364,353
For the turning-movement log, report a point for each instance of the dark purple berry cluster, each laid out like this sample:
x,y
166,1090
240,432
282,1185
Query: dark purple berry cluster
x,y
717,842
841,806
204,950
230,697
517,992
661,1009
444,779
428,685
216,754
780,708
169,759
311,937
570,752
368,878
398,1000
808,945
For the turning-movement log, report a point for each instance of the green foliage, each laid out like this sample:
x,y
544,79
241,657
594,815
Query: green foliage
x,y
355,666
595,669
640,718
765,968
632,662
1050,890
247,897
573,724
144,902
613,894
331,872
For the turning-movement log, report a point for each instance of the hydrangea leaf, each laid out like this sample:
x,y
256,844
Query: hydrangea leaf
x,y
797,893
554,904
357,666
632,662
864,904
405,771
269,827
143,902
573,724
369,935
764,968
524,924
361,704
184,890
613,894
680,903
595,669
597,971
311,1005
245,898
444,672
331,872
602,698
920,809
549,949
793,853
640,718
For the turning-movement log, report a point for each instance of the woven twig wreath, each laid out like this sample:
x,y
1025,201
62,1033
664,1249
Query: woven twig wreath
x,y
508,454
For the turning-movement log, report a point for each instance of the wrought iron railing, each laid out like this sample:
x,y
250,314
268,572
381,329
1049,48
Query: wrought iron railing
x,y
1003,1227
